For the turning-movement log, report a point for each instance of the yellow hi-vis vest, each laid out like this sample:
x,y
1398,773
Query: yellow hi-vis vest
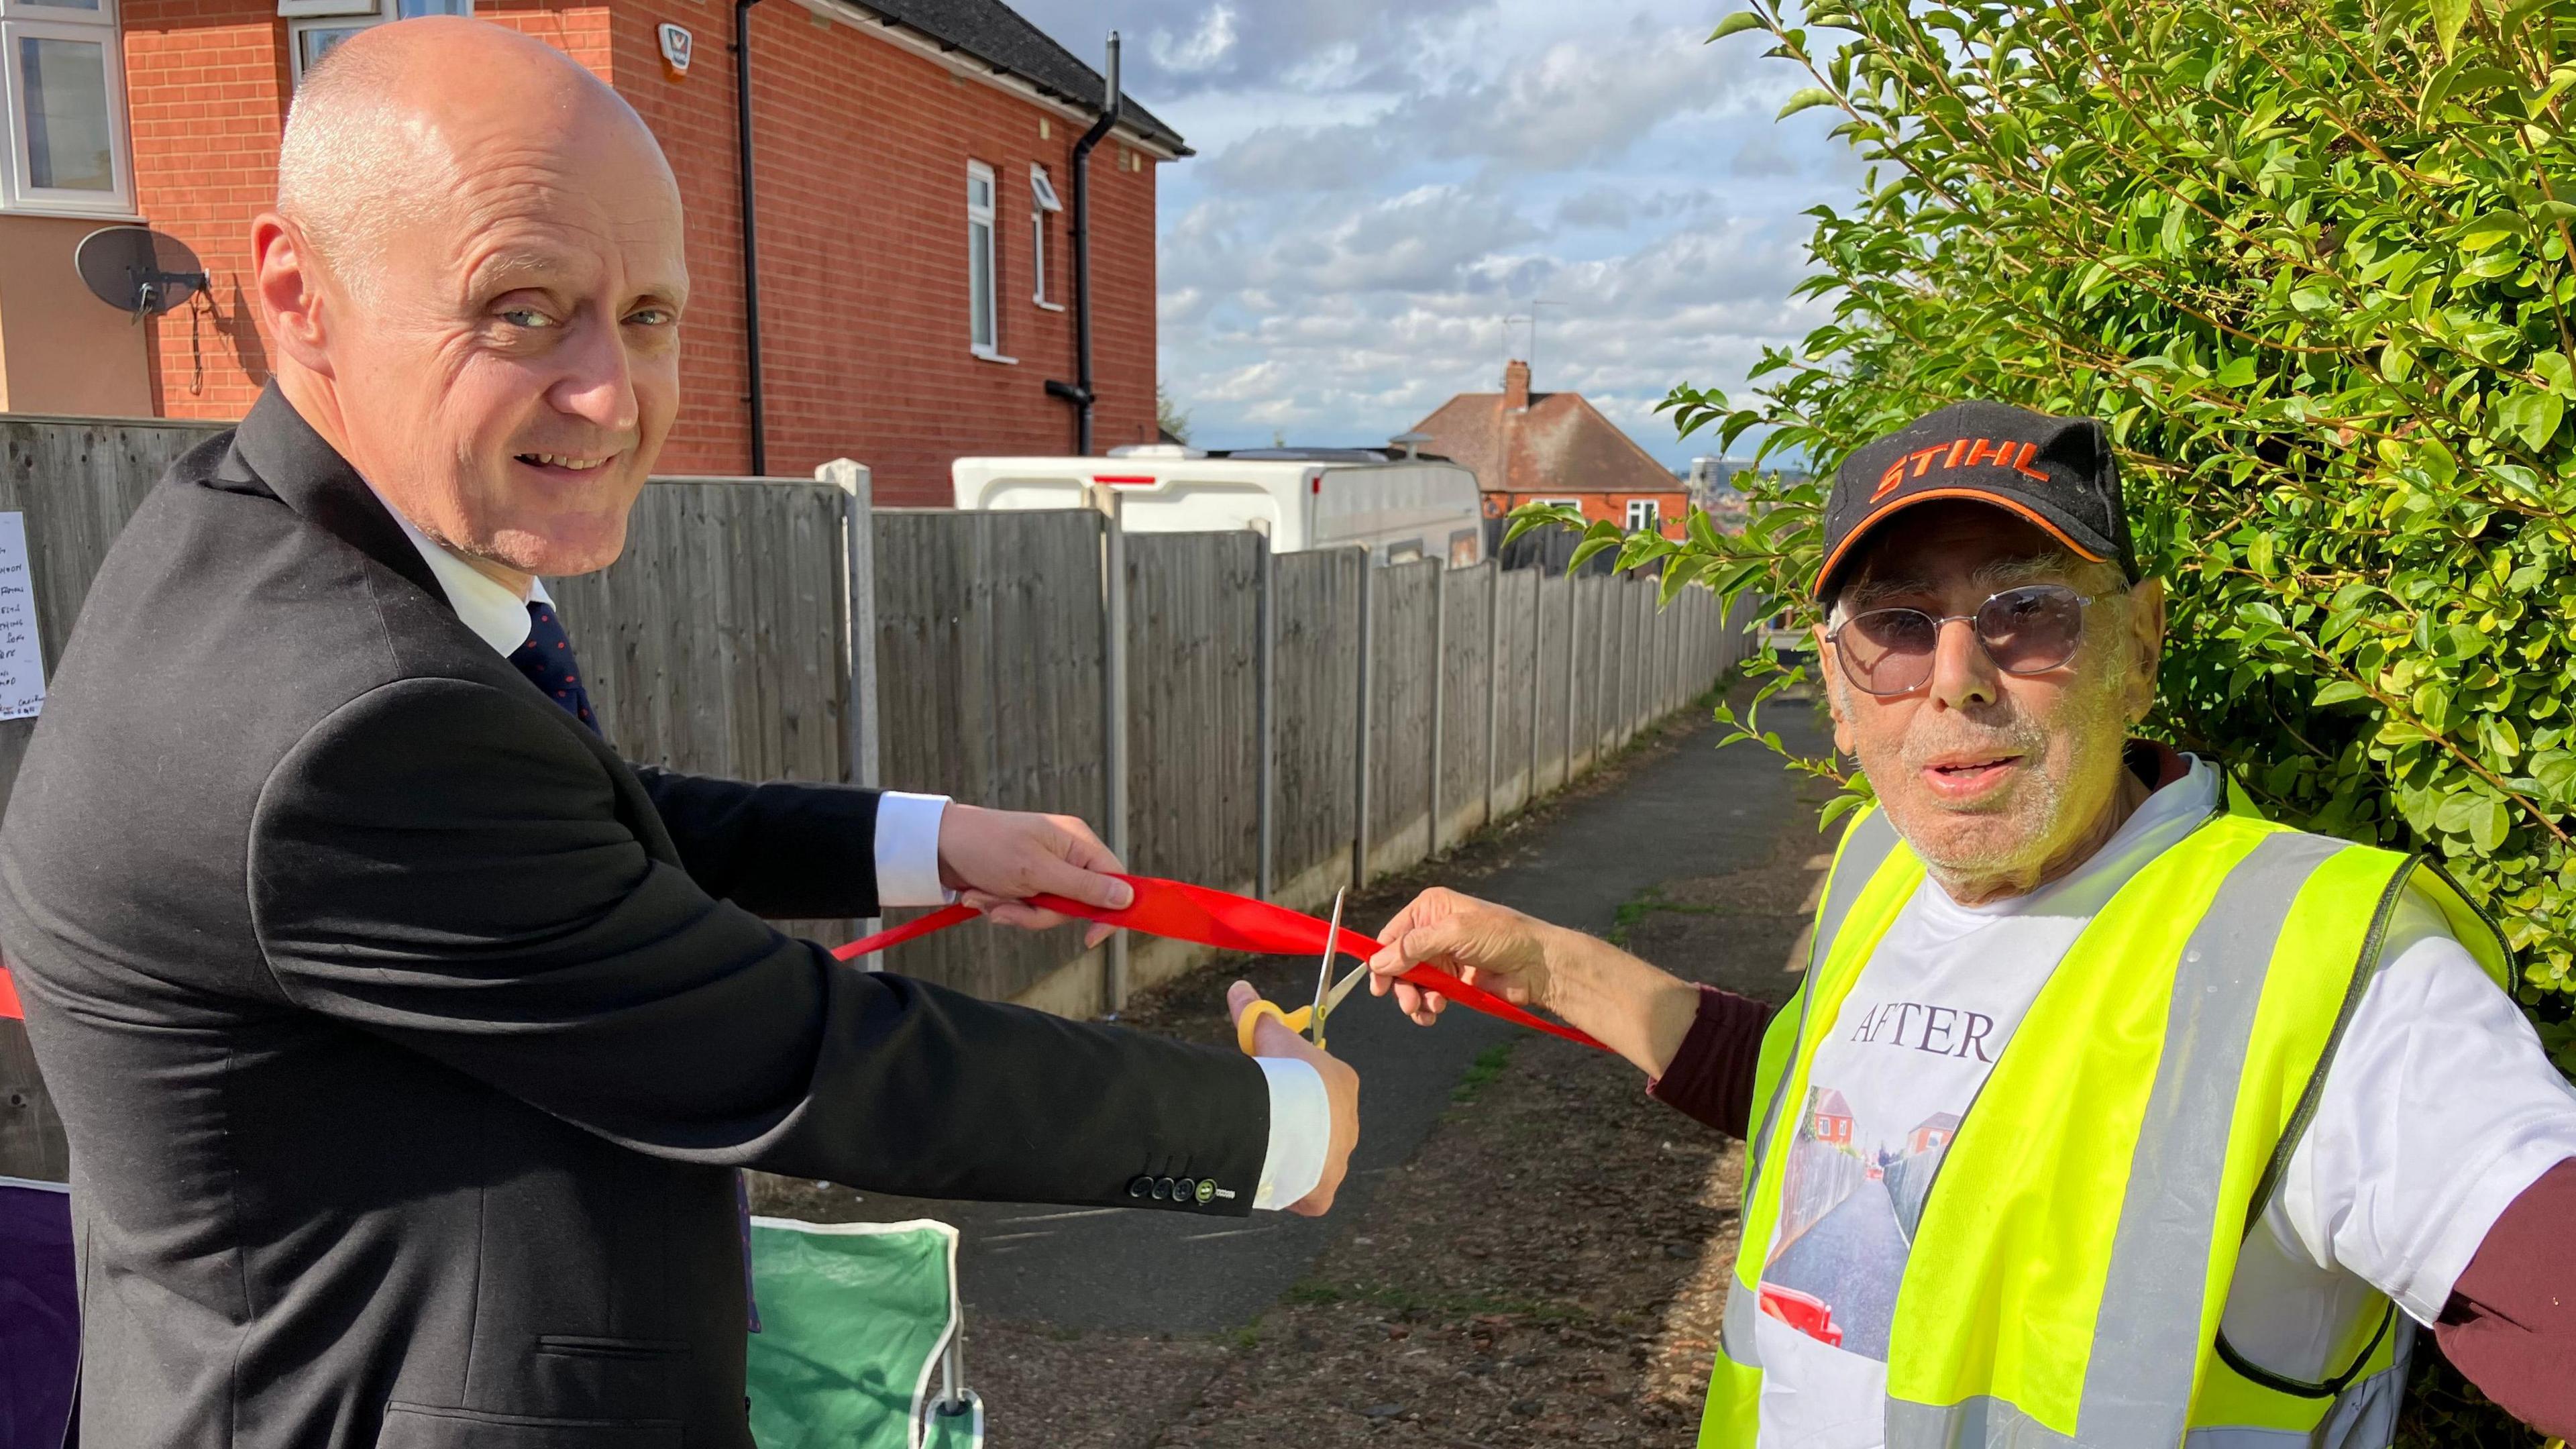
x,y
2074,1255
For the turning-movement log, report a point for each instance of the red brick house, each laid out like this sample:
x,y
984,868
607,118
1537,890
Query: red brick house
x,y
1554,447
911,160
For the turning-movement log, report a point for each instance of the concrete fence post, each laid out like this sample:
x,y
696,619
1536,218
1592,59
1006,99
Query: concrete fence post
x,y
1360,752
1493,679
1573,627
1538,683
1439,701
1265,710
860,757
1113,692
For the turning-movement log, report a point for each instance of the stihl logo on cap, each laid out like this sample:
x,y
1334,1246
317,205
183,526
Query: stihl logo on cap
x,y
1959,452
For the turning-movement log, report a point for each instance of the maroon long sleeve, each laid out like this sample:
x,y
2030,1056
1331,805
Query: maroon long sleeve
x,y
2511,1322
1711,1077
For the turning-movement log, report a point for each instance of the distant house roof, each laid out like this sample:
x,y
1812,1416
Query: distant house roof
x,y
996,34
1939,1122
1828,1102
1541,442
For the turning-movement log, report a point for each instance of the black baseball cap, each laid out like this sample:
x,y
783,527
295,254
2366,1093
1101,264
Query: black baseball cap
x,y
2056,472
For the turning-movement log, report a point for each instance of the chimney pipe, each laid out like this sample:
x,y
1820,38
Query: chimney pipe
x,y
1516,386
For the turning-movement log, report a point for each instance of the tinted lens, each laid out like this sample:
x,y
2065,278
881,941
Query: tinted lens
x,y
1888,651
2031,630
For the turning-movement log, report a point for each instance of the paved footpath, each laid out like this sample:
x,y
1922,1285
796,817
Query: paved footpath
x,y
1693,810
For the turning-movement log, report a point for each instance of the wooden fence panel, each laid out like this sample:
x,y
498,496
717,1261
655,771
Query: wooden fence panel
x,y
1516,655
1466,667
1316,728
1400,730
1193,611
717,642
77,480
989,667
1553,692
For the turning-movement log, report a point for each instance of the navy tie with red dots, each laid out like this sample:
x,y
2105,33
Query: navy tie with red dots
x,y
547,661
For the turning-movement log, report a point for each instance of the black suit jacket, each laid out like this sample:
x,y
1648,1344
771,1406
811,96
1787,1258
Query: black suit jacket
x,y
407,1038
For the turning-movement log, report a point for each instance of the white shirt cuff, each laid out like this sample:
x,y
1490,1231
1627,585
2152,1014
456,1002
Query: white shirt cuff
x,y
908,850
1301,1132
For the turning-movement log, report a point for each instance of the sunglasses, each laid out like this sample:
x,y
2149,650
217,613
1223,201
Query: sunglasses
x,y
2029,630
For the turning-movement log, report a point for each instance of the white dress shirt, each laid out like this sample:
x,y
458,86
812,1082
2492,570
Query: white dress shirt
x,y
907,860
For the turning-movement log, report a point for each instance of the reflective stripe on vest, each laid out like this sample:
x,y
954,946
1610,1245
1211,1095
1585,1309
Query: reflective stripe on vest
x,y
2239,909
2140,1391
2366,1418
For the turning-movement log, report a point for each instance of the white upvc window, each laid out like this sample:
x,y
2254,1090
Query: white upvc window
x,y
62,74
1043,207
983,264
314,27
1643,513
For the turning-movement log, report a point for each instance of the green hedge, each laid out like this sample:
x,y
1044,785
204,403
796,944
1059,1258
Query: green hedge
x,y
2311,263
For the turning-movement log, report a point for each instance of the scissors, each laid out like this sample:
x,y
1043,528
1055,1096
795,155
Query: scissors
x,y
1328,992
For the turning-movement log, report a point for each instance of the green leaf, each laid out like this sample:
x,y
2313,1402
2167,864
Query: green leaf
x,y
2448,17
1806,99
1736,24
2533,417
2339,691
2239,372
2489,826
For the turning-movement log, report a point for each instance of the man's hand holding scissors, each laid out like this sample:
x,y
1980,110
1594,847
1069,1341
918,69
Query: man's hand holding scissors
x,y
1265,1031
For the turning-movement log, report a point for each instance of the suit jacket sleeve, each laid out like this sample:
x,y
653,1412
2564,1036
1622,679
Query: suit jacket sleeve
x,y
782,848
439,864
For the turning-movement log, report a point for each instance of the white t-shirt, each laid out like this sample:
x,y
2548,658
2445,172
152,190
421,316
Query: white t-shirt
x,y
2438,1110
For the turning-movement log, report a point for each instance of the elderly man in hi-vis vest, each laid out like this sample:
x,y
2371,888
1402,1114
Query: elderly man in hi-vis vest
x,y
2108,1113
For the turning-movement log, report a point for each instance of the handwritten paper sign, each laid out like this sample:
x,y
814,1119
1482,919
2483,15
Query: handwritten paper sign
x,y
22,660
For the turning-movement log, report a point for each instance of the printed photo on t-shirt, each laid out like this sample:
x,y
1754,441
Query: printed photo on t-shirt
x,y
1848,1211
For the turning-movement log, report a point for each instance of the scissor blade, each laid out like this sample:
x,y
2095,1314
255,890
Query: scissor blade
x,y
1324,997
1342,988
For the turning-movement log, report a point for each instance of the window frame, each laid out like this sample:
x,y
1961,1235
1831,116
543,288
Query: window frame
x,y
1043,203
98,27
1654,509
303,17
986,249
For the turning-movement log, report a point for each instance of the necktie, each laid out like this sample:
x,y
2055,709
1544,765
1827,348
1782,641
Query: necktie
x,y
547,660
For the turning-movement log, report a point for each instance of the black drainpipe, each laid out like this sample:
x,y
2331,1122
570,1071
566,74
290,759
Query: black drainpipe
x,y
750,241
1079,391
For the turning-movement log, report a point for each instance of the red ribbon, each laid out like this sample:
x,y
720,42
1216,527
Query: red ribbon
x,y
1229,922
1183,912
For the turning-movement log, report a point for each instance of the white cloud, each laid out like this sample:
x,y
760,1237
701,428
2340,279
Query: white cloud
x,y
1203,50
1383,183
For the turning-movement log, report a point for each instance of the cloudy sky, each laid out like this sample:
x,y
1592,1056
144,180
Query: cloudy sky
x,y
1385,192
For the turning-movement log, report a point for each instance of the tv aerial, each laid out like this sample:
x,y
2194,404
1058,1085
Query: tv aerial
x,y
136,269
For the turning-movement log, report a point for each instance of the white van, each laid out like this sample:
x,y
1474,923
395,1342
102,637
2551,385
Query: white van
x,y
1400,507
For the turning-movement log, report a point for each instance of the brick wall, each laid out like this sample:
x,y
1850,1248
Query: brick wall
x,y
205,89
1672,510
862,147
861,175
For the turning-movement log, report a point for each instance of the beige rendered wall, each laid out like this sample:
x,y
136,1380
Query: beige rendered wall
x,y
61,349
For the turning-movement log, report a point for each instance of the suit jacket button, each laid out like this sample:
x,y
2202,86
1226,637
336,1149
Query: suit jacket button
x,y
1139,1186
1207,1191
1185,1190
1162,1189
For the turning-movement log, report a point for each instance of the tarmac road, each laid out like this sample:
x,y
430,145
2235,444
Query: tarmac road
x,y
1852,1260
1696,810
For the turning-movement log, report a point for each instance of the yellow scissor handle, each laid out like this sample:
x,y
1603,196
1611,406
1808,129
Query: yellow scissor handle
x,y
1293,1020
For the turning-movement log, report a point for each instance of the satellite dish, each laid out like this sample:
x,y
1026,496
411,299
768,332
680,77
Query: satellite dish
x,y
136,269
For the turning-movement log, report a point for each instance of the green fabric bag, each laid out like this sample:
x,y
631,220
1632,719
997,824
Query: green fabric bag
x,y
855,1318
